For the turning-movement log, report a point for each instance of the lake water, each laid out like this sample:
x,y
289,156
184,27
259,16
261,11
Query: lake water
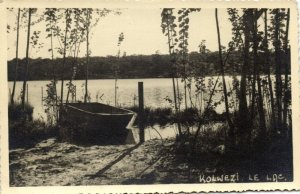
x,y
155,92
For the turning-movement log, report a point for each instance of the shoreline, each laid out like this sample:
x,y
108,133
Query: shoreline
x,y
53,163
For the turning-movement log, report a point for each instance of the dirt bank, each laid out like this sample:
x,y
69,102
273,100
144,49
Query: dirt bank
x,y
54,163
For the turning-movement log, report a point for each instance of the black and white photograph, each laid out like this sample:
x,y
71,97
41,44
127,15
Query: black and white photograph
x,y
150,95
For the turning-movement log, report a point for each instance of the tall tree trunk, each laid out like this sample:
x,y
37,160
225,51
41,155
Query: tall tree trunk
x,y
173,73
52,58
27,59
173,78
253,92
184,70
87,57
116,84
116,81
251,20
53,71
17,59
261,112
287,65
116,87
185,85
278,70
64,59
267,56
231,127
178,92
76,52
243,107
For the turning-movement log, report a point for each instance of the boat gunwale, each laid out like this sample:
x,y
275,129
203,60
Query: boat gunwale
x,y
129,112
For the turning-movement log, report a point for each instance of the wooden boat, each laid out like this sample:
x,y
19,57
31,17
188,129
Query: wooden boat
x,y
96,123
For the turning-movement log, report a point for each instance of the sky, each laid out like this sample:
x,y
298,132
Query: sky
x,y
142,33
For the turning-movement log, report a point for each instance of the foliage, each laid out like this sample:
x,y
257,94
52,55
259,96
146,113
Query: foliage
x,y
16,112
50,103
23,130
165,116
134,66
255,116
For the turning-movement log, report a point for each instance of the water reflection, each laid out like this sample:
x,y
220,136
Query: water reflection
x,y
155,92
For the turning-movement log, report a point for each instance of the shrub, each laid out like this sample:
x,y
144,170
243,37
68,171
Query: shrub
x,y
18,112
164,116
23,130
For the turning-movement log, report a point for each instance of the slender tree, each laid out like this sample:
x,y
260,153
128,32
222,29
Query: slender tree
x,y
120,40
77,36
167,26
183,38
89,14
268,66
278,82
251,22
287,66
230,123
67,27
243,128
87,26
17,59
261,112
183,33
168,29
52,96
27,59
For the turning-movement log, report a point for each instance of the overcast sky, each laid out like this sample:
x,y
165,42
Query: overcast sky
x,y
142,32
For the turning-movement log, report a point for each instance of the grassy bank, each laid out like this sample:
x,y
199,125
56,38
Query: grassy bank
x,y
24,131
208,155
166,115
189,156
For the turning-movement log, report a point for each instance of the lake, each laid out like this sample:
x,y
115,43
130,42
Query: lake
x,y
102,90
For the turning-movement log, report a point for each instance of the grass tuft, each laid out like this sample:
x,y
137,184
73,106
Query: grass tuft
x,y
23,130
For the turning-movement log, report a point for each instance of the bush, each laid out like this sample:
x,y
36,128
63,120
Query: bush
x,y
28,133
23,130
18,112
164,116
187,116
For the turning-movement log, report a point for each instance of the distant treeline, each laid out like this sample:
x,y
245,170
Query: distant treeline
x,y
134,66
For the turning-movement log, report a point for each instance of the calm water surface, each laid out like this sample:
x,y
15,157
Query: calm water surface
x,y
155,92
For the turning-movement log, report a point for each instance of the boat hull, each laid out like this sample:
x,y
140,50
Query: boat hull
x,y
95,123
